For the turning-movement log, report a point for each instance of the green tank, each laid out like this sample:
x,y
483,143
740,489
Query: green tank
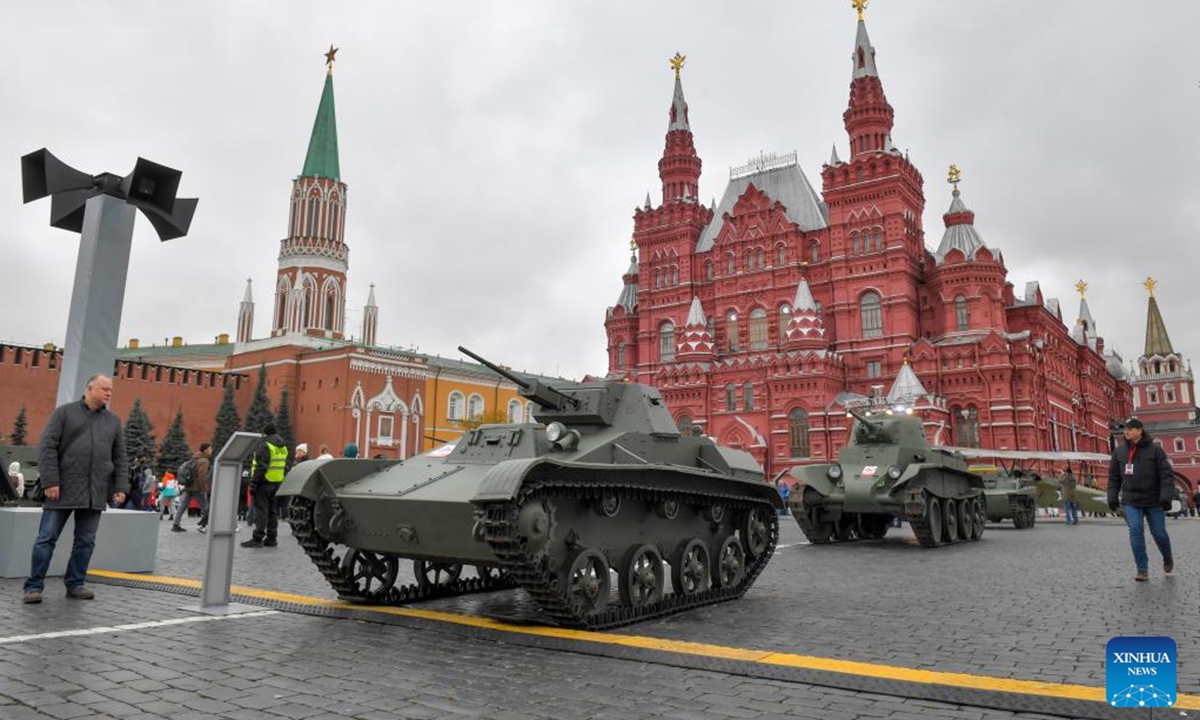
x,y
603,484
1009,497
888,469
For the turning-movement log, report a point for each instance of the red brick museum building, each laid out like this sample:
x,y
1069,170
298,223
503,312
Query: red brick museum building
x,y
763,317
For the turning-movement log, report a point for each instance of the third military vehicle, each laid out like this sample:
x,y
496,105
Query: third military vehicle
x,y
605,481
888,469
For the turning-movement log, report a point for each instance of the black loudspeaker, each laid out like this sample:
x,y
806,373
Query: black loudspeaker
x,y
66,209
43,174
174,224
151,185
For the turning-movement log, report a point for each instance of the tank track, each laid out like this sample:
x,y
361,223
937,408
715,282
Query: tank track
x,y
540,581
800,512
1023,510
302,518
914,513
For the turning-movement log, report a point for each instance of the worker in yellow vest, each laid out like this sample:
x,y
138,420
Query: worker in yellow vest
x,y
272,460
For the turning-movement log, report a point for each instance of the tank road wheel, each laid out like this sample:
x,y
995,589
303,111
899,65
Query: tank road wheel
x,y
608,505
715,514
667,509
873,527
587,582
756,532
690,568
950,519
966,518
933,517
846,527
372,574
822,529
731,563
432,574
641,576
979,506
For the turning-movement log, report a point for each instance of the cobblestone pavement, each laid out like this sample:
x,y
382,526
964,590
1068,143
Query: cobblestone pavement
x,y
1036,604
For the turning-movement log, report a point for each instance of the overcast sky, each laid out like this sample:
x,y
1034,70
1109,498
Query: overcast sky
x,y
494,152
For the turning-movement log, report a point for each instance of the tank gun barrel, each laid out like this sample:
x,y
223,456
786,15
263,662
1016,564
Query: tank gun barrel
x,y
873,424
538,392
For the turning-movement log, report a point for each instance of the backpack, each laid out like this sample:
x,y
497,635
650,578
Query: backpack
x,y
186,474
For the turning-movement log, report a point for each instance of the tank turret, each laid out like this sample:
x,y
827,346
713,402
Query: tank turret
x,y
604,480
888,469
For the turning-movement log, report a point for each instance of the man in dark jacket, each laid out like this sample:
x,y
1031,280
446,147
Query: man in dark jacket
x,y
271,462
1140,476
198,489
82,463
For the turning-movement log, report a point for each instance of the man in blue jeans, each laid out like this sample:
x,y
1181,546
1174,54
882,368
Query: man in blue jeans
x,y
1140,477
82,465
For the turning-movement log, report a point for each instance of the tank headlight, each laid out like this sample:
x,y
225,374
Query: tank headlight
x,y
835,471
894,472
555,430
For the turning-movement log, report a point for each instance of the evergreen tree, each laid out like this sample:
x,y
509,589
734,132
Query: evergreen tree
x,y
139,439
228,421
283,420
174,450
18,433
259,415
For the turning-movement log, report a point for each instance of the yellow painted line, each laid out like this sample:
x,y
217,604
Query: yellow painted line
x,y
765,657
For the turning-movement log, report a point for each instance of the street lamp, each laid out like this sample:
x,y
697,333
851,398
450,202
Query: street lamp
x,y
101,208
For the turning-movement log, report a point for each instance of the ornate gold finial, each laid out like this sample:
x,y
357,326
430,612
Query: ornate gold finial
x,y
330,57
859,5
954,177
1150,284
677,63
632,245
1081,286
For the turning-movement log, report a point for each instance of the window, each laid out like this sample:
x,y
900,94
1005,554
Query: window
x,y
333,219
1152,395
312,216
730,264
762,259
674,275
731,397
1168,393
1178,445
666,341
782,256
748,397
514,411
872,315
711,326
475,407
785,322
878,239
854,242
820,310
748,260
657,278
386,425
685,424
960,313
330,304
454,406
529,412
874,369
966,426
708,271
1198,444
731,331
798,433
815,250
758,329
621,355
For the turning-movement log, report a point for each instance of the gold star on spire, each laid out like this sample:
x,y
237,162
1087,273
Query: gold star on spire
x,y
1081,286
330,57
954,177
677,63
1150,285
859,5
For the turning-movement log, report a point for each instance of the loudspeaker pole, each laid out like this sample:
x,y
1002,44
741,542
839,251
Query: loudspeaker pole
x,y
98,295
101,209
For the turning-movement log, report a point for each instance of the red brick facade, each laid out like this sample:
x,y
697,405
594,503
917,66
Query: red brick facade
x,y
811,303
